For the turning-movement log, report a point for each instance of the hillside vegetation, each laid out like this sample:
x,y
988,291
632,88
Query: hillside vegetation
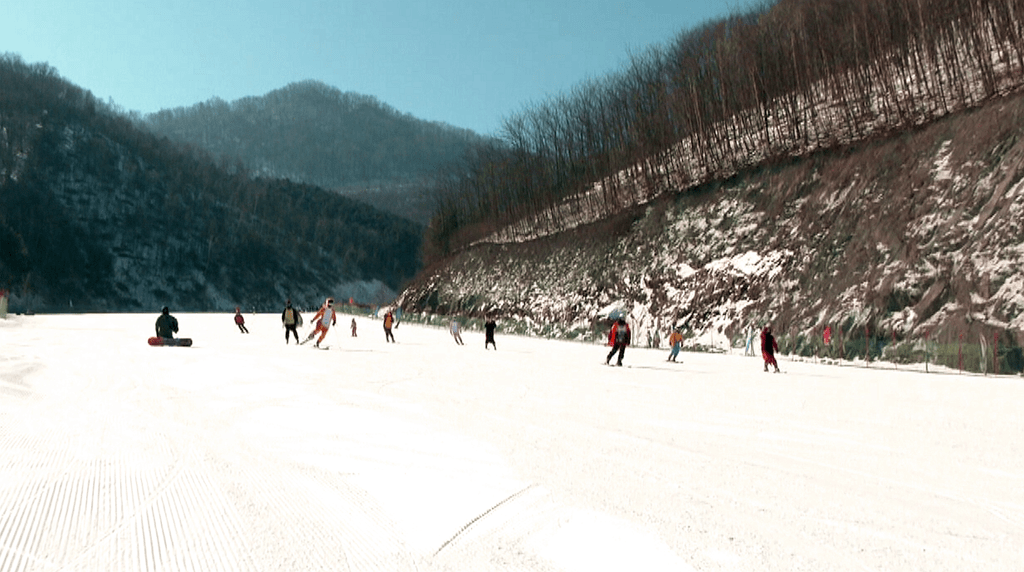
x,y
313,133
97,215
781,81
881,196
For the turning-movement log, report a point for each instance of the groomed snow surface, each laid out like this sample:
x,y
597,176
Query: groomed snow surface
x,y
244,453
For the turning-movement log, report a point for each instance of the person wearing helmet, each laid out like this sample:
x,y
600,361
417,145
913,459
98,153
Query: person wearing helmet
x,y
324,319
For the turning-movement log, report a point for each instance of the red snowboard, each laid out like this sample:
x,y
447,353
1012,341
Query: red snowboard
x,y
155,341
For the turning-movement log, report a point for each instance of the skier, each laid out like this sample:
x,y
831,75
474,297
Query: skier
x,y
489,328
618,338
324,319
292,319
768,348
166,324
353,327
389,321
675,339
454,329
240,321
749,350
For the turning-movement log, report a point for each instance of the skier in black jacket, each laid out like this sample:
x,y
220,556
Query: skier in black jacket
x,y
291,319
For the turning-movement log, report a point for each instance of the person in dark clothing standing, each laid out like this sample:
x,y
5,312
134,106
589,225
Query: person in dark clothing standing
x,y
489,328
166,324
292,319
768,348
618,338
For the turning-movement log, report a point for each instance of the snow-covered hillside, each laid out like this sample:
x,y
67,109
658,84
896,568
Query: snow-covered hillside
x,y
911,238
243,453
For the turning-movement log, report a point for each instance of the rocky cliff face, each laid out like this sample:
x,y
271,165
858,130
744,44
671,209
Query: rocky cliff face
x,y
905,238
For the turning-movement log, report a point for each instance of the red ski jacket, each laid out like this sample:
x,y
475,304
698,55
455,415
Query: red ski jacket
x,y
615,331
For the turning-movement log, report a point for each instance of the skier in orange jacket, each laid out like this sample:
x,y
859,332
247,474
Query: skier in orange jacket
x,y
324,319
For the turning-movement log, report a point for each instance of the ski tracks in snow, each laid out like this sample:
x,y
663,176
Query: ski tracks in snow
x,y
105,492
247,454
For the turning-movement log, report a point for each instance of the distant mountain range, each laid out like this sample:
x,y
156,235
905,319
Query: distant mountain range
x,y
312,133
97,214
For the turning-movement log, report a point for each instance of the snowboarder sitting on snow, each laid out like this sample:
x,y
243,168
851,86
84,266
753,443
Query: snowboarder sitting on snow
x,y
675,339
240,321
324,319
166,324
768,348
618,338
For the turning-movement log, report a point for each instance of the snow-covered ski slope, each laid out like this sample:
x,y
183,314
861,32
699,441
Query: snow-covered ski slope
x,y
243,453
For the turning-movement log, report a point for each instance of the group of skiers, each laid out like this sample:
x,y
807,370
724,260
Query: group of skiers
x,y
291,319
455,329
620,336
324,318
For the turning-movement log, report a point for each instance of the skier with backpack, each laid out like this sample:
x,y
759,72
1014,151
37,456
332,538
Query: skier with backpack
x,y
618,338
291,319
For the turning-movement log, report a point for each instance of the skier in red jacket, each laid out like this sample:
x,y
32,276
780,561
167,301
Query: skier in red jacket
x,y
618,338
240,321
768,348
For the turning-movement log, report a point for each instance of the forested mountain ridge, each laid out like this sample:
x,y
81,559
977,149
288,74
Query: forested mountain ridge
x,y
783,79
869,182
317,134
98,215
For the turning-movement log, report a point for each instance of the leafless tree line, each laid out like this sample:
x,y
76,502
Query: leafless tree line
x,y
782,79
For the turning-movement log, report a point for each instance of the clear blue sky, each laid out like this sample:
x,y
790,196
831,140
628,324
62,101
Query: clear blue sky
x,y
470,63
